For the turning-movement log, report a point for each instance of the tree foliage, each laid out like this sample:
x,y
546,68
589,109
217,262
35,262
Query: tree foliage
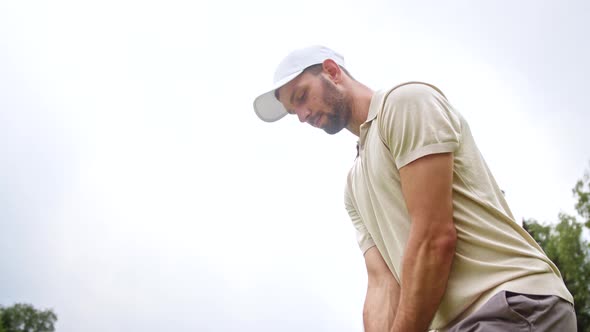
x,y
25,318
564,244
1,325
582,195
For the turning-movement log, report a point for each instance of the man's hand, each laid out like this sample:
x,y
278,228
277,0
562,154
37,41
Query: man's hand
x,y
427,189
382,294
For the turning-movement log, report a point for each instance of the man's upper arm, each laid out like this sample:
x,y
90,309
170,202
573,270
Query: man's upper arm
x,y
422,132
427,189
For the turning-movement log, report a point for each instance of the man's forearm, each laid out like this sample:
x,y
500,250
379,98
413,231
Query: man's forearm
x,y
426,268
380,305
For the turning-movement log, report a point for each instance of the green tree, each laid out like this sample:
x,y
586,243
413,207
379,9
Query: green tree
x,y
564,244
25,318
1,325
582,194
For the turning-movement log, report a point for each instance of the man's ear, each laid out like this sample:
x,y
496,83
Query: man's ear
x,y
331,68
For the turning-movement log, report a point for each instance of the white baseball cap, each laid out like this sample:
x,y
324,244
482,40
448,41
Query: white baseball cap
x,y
266,106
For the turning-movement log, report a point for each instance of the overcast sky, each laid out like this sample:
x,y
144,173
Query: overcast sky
x,y
139,191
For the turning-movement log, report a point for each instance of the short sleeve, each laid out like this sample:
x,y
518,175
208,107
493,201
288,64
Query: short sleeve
x,y
364,239
417,120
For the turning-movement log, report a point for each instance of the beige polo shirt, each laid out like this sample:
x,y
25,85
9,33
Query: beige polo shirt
x,y
493,252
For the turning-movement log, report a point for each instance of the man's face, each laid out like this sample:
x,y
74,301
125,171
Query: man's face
x,y
315,99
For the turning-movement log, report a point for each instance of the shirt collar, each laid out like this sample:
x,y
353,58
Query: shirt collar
x,y
375,105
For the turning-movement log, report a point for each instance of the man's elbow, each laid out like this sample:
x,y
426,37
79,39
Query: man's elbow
x,y
439,240
445,241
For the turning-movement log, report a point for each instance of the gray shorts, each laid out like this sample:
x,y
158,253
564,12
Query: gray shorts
x,y
507,311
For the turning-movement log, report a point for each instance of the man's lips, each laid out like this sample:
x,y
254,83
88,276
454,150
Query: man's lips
x,y
316,120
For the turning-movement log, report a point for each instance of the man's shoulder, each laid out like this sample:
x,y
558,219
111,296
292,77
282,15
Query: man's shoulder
x,y
410,91
386,101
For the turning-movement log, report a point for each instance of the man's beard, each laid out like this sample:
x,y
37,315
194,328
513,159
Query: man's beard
x,y
340,105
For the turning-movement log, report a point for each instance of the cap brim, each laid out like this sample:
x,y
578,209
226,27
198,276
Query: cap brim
x,y
267,107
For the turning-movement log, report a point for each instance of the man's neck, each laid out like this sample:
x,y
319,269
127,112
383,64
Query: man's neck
x,y
361,100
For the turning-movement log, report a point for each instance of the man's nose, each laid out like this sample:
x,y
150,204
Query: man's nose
x,y
303,114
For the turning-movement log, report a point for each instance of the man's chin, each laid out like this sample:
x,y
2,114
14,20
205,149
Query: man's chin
x,y
335,124
333,130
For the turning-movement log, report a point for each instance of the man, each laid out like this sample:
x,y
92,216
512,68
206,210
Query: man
x,y
441,246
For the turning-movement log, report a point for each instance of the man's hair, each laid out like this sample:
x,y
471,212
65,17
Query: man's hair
x,y
316,70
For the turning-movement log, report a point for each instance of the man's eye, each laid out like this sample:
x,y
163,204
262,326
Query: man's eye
x,y
302,98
